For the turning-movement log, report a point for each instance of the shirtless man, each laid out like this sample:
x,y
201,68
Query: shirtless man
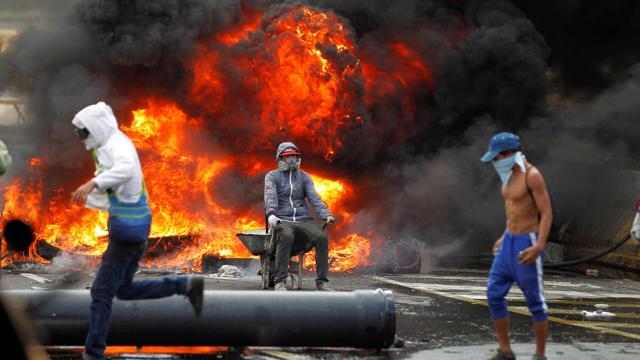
x,y
520,249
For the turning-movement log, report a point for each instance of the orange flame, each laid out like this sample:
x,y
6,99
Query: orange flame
x,y
346,253
178,180
301,78
115,350
303,82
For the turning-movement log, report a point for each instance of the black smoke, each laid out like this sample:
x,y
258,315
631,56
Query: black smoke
x,y
593,42
496,65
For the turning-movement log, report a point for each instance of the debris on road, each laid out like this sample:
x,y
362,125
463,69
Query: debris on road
x,y
229,271
598,314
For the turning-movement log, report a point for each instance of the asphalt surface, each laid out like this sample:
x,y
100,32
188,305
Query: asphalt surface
x,y
440,315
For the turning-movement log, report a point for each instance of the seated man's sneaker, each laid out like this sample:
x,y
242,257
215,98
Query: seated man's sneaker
x,y
499,355
294,279
195,293
281,286
323,286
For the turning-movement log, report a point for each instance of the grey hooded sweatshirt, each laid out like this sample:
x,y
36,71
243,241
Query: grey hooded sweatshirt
x,y
286,193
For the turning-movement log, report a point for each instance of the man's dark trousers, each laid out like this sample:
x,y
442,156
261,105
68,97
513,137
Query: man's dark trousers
x,y
301,236
127,245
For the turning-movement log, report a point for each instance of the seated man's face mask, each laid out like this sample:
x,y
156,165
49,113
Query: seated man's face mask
x,y
289,163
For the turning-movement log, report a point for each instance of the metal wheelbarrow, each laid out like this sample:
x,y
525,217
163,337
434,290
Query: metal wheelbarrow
x,y
260,243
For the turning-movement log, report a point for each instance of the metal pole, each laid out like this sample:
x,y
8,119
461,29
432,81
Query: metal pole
x,y
361,319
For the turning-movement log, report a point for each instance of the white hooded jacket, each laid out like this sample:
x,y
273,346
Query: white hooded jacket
x,y
118,162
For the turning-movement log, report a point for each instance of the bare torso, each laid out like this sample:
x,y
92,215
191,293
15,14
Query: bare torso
x,y
521,209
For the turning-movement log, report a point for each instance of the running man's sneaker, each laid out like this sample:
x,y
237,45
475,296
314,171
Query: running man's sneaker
x,y
499,355
538,357
195,293
86,356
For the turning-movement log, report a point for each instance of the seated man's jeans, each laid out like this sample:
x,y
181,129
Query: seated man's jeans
x,y
292,238
126,247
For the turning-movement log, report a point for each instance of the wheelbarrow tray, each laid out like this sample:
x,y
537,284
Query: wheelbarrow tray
x,y
255,241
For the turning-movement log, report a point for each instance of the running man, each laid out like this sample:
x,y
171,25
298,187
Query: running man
x,y
119,189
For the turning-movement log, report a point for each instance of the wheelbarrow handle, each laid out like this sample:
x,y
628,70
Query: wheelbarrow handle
x,y
266,224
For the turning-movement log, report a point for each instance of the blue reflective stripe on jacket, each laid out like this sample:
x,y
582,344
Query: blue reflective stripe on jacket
x,y
137,210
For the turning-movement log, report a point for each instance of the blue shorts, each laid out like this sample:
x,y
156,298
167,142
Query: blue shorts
x,y
506,270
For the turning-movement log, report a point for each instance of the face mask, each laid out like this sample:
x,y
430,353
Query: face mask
x,y
82,133
504,167
90,143
289,164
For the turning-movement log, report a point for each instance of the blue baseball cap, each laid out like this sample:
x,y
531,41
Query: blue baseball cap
x,y
504,141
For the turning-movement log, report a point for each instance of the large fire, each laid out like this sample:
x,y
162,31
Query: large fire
x,y
296,73
179,185
302,78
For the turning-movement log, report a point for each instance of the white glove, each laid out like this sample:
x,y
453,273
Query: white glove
x,y
330,220
274,220
635,228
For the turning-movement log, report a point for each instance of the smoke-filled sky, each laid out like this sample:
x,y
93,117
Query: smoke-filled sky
x,y
561,74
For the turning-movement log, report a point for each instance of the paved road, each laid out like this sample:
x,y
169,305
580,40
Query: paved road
x,y
441,315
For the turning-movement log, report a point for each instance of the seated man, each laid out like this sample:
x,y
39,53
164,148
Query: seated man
x,y
285,192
